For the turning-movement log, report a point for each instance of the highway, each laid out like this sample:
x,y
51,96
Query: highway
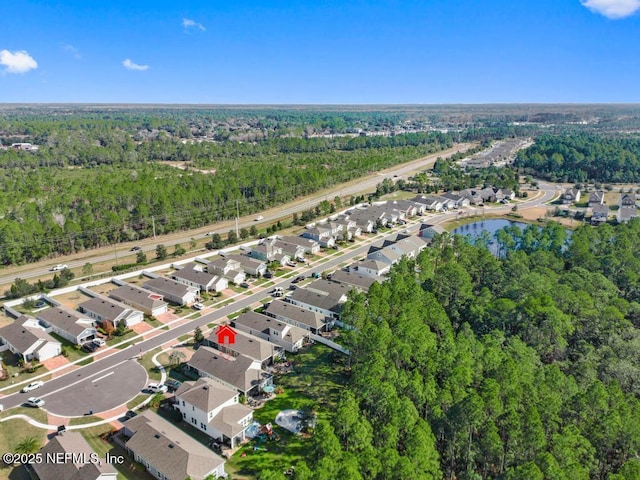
x,y
148,245
104,366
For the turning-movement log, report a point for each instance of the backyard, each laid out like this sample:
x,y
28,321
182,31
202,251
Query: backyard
x,y
314,384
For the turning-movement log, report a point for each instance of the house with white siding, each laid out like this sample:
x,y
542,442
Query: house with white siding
x,y
173,291
148,302
289,337
69,324
193,274
29,340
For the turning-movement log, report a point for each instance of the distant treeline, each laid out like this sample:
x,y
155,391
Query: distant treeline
x,y
583,158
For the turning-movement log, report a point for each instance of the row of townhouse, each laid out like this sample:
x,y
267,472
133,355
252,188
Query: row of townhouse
x,y
380,258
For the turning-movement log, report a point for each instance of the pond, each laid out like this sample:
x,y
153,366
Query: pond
x,y
491,226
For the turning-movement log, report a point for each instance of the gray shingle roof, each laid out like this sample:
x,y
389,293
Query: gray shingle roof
x,y
237,371
262,323
353,279
171,451
22,337
167,286
130,293
66,320
294,313
205,394
109,309
249,345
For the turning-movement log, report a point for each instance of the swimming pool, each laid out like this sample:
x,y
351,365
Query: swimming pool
x,y
252,430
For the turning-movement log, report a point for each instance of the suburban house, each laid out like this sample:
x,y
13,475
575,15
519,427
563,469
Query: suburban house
x,y
321,234
26,338
362,219
289,337
456,201
430,202
150,303
310,247
385,255
248,345
295,315
227,268
628,209
353,279
488,194
194,275
292,250
173,291
269,252
596,198
472,195
240,372
325,303
167,452
79,460
100,309
214,409
69,324
371,268
430,231
571,195
409,208
250,266
350,229
599,214
408,245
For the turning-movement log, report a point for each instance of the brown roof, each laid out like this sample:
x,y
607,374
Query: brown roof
x,y
227,420
168,449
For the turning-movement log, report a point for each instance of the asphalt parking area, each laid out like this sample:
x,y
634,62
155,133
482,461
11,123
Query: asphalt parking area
x,y
105,390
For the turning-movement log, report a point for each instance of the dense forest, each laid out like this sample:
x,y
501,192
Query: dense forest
x,y
580,158
71,197
466,365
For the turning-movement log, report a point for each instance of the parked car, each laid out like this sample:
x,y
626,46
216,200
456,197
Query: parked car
x,y
60,266
130,414
32,386
315,275
34,402
244,285
277,292
89,347
135,249
157,388
268,274
99,342
172,385
198,306
40,304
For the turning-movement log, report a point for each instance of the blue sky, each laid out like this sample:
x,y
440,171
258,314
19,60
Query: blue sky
x,y
320,51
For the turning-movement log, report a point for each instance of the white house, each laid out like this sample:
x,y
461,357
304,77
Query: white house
x,y
69,324
227,268
28,339
148,302
214,409
175,292
195,276
101,309
289,337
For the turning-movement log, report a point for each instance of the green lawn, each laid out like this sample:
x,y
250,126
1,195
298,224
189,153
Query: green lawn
x,y
149,366
137,400
316,382
12,432
114,340
84,420
73,351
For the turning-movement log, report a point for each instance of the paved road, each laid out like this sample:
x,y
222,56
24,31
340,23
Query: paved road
x,y
56,388
367,184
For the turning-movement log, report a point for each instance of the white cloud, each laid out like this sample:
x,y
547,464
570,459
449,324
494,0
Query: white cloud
x,y
613,8
17,62
129,65
187,23
71,50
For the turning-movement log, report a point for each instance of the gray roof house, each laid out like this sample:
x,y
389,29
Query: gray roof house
x,y
371,268
227,268
28,339
431,202
239,372
295,315
456,200
310,246
214,409
69,324
321,234
289,337
328,304
248,345
596,198
175,292
571,195
148,302
599,214
293,250
167,452
79,460
353,279
250,266
430,231
386,255
194,275
101,309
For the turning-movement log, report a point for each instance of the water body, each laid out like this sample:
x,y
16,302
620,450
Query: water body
x,y
491,226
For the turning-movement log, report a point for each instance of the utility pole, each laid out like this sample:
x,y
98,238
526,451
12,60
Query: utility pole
x,y
237,216
115,251
153,224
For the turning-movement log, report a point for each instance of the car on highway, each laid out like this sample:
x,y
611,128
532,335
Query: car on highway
x,y
208,234
32,386
157,388
258,218
34,402
60,266
99,342
277,292
135,249
198,306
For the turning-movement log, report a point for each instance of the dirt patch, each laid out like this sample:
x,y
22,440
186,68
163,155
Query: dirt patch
x,y
72,299
141,327
104,288
167,317
55,362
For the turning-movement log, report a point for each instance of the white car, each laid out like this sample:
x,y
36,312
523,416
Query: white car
x,y
198,306
99,342
32,386
157,388
258,218
34,402
60,266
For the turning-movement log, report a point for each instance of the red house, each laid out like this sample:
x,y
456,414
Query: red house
x,y
226,335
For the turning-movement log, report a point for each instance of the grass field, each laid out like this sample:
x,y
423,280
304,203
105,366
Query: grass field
x,y
315,383
12,432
